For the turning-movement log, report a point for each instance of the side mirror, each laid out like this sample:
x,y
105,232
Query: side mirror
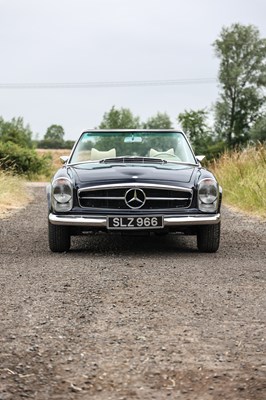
x,y
200,158
63,159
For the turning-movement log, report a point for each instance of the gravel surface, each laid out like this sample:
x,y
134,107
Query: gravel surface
x,y
131,317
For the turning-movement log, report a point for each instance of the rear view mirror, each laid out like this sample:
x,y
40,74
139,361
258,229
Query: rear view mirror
x,y
133,139
63,159
200,158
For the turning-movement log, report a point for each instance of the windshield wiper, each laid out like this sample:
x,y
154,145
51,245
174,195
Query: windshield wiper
x,y
133,160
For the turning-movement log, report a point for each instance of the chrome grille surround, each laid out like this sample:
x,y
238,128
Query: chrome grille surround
x,y
112,196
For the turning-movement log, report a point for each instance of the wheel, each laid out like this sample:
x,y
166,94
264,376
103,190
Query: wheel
x,y
59,238
208,238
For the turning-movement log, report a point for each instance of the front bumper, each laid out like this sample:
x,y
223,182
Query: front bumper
x,y
101,221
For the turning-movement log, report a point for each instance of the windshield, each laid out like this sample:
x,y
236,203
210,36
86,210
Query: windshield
x,y
168,146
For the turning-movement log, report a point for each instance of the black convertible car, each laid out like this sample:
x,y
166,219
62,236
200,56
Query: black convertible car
x,y
133,181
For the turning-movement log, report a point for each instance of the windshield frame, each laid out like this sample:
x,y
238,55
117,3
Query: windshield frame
x,y
144,131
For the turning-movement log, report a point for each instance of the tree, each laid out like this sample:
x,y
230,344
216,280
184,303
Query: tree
x,y
195,126
14,131
258,130
242,76
55,132
119,119
159,121
53,138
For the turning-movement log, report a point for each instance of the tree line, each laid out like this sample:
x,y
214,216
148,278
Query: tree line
x,y
239,114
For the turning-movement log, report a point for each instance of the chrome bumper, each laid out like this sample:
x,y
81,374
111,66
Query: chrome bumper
x,y
101,222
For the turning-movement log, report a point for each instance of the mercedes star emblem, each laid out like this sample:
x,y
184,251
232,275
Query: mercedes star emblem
x,y
135,198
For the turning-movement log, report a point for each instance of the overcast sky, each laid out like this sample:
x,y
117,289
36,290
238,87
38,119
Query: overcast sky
x,y
72,41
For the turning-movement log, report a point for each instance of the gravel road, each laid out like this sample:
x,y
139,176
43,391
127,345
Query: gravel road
x,y
131,317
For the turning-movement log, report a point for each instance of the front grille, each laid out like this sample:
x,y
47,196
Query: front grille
x,y
114,198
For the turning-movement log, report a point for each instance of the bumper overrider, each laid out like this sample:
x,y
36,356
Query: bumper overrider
x,y
102,221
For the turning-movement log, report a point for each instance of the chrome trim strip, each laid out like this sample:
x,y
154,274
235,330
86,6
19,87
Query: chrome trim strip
x,y
101,198
198,219
123,198
167,198
130,186
62,178
77,220
136,185
101,221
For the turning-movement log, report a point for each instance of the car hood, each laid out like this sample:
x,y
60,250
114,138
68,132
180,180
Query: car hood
x,y
122,174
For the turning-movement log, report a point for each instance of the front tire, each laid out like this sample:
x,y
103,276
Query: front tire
x,y
208,238
59,238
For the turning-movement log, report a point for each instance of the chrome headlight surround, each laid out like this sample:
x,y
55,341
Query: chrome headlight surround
x,y
62,194
208,195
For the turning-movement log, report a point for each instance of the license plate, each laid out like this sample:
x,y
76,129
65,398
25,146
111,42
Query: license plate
x,y
152,222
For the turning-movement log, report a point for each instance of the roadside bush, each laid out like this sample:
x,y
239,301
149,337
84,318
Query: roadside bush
x,y
23,161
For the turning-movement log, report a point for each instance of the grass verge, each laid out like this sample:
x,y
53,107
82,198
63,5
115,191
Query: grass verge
x,y
13,193
242,175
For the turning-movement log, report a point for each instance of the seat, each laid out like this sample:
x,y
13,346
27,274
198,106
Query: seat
x,y
155,153
99,155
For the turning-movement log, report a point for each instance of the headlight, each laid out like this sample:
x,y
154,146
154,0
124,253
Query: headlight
x,y
208,195
62,193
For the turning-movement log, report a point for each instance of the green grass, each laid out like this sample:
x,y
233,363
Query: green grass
x,y
242,175
13,193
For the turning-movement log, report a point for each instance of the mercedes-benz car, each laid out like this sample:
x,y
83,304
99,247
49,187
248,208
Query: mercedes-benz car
x,y
133,182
